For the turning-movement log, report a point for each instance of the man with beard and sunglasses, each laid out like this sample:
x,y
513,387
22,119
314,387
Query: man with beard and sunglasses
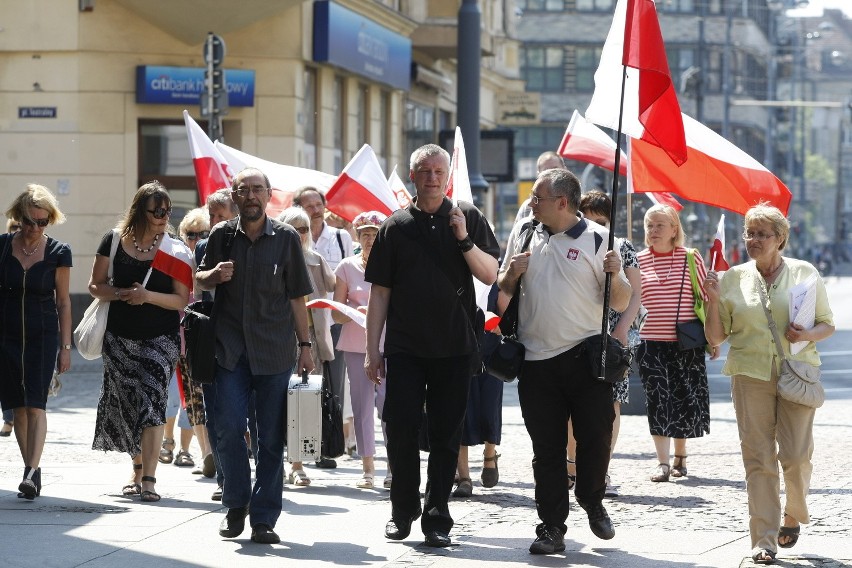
x,y
257,267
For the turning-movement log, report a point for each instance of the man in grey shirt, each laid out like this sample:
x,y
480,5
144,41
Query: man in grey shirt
x,y
258,270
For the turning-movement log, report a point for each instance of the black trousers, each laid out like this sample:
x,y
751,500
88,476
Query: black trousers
x,y
443,385
551,391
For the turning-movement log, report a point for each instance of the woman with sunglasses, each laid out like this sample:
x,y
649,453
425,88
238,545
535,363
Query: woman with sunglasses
x,y
141,343
194,227
35,307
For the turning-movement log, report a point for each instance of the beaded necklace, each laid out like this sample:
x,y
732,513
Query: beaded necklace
x,y
150,248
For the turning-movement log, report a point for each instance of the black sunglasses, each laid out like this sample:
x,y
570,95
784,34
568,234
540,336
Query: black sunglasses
x,y
160,212
13,228
40,222
193,235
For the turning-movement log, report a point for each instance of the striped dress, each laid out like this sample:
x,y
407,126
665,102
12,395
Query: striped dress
x,y
675,381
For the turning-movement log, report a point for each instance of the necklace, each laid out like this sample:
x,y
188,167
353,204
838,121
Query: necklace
x,y
771,273
32,252
654,266
150,248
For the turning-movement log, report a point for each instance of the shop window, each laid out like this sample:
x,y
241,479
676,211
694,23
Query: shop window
x,y
587,64
543,69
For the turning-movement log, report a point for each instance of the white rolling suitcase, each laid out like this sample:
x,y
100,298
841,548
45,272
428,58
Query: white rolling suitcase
x,y
304,418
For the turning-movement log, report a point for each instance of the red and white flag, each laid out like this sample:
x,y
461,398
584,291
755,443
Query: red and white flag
x,y
360,318
174,259
212,170
717,251
458,186
362,186
716,173
651,110
284,180
398,188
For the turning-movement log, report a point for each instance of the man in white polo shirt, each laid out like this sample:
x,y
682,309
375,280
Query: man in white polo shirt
x,y
561,304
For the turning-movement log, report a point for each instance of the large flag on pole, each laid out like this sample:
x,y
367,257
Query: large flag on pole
x,y
458,187
716,173
361,187
212,170
717,251
651,110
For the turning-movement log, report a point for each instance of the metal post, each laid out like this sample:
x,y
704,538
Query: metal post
x,y
469,59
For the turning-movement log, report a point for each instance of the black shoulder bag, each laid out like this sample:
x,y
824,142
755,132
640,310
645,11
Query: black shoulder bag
x,y
505,363
690,334
199,329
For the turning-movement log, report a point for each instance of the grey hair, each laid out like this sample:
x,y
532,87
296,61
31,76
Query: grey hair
x,y
424,152
564,184
297,215
222,198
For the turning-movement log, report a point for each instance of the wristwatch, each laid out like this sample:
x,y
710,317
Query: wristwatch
x,y
465,244
66,346
305,344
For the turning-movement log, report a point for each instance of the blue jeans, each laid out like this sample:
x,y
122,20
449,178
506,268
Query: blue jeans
x,y
233,390
209,390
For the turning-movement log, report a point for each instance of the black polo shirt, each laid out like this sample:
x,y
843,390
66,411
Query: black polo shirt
x,y
416,255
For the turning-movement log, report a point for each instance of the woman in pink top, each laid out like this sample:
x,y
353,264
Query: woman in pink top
x,y
352,290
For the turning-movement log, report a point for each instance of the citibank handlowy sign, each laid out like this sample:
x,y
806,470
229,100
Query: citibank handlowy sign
x,y
183,85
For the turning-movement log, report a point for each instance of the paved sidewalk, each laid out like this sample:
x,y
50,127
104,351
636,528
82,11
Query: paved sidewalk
x,y
699,521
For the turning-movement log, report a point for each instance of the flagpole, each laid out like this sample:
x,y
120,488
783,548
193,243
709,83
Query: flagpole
x,y
612,211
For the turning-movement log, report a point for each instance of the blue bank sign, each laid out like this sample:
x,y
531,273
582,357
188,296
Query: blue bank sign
x,y
184,85
358,44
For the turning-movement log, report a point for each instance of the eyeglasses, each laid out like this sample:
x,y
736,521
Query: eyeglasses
x,y
302,230
752,236
160,212
32,222
194,235
242,190
535,199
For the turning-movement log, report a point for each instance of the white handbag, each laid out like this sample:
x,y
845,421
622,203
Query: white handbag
x,y
89,334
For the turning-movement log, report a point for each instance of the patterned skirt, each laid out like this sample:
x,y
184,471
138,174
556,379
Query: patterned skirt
x,y
676,391
193,396
135,389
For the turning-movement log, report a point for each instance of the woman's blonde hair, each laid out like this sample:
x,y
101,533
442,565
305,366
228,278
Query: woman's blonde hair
x,y
35,196
765,213
671,214
194,217
297,217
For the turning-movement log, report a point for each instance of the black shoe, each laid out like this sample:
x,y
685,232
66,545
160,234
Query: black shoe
x,y
550,540
326,463
599,521
263,534
438,539
28,487
234,522
217,495
399,529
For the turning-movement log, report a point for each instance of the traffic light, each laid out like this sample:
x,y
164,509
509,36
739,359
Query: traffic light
x,y
214,99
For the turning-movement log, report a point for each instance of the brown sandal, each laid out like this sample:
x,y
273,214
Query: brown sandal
x,y
133,488
662,473
678,470
490,475
167,455
149,496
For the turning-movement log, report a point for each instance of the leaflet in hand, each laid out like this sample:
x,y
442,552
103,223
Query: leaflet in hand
x,y
803,308
359,318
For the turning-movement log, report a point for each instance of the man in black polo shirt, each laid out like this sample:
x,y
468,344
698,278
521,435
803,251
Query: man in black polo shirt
x,y
421,269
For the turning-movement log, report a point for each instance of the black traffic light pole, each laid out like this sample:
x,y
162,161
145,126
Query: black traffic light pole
x,y
214,99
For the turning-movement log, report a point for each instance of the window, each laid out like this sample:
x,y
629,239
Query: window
x,y
542,5
543,69
681,6
164,156
595,5
587,63
310,119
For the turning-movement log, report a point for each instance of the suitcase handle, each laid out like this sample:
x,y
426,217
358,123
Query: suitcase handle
x,y
304,376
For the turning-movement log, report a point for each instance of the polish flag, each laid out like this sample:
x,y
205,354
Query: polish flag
x,y
716,172
398,188
663,198
361,187
586,142
212,170
360,318
458,187
717,251
174,259
284,180
651,110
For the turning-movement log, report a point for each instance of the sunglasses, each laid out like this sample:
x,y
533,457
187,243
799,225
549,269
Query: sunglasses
x,y
13,228
40,222
160,212
194,235
302,230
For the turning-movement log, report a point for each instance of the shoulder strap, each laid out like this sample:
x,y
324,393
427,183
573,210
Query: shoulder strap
x,y
339,243
764,301
230,233
680,290
696,289
113,247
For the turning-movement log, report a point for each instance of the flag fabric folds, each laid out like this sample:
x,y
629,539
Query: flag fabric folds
x,y
717,251
716,173
458,186
174,259
397,186
212,170
651,110
361,187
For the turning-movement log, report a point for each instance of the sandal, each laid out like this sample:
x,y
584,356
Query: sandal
x,y
388,481
184,459
572,478
7,429
464,488
167,455
365,482
149,496
662,473
133,488
299,478
763,556
789,532
490,475
678,470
